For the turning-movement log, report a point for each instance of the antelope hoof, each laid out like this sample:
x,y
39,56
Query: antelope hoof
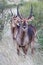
x,y
17,51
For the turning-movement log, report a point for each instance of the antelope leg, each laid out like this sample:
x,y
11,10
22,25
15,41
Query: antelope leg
x,y
18,49
25,49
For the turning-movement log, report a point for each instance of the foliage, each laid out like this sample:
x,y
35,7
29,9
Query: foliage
x,y
40,37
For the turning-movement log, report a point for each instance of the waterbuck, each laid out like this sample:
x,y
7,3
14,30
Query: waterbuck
x,y
25,33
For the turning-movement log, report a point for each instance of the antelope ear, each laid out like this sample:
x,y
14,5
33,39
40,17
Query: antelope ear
x,y
31,18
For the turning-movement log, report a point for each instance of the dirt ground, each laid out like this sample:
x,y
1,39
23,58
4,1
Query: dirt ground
x,y
8,52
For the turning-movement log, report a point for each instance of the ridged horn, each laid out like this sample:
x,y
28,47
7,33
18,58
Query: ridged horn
x,y
31,12
18,14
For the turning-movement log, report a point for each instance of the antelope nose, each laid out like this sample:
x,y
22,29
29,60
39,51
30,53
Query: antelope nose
x,y
24,27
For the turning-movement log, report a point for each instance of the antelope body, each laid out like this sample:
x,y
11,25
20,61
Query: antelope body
x,y
23,32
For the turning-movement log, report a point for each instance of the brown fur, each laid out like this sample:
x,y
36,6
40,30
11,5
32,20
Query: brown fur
x,y
22,37
31,39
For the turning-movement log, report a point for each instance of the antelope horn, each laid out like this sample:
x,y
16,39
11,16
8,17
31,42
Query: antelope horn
x,y
11,13
18,14
31,12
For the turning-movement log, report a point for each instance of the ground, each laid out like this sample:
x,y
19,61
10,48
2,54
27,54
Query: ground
x,y
8,52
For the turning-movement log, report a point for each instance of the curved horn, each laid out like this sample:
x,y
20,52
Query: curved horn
x,y
18,12
11,13
31,12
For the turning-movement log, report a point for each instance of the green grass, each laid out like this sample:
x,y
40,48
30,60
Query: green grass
x,y
40,37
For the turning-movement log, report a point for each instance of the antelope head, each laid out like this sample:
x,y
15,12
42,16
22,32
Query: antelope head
x,y
24,21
